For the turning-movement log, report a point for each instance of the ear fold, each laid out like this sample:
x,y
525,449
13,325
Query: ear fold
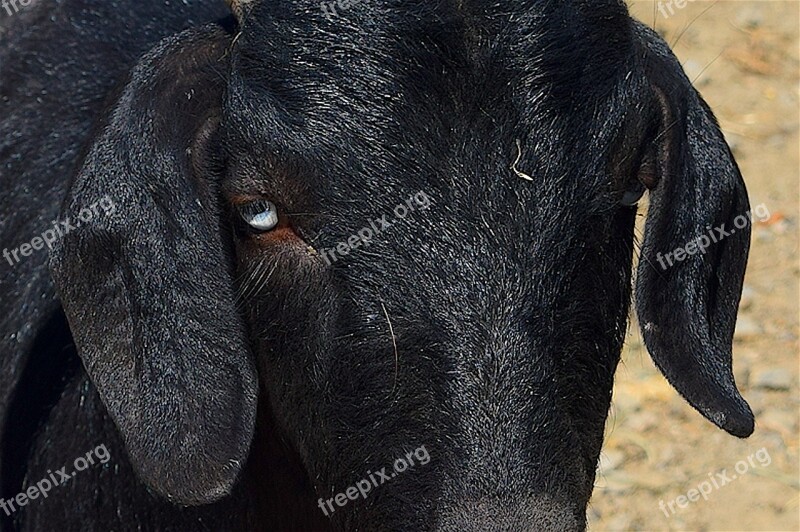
x,y
690,273
146,282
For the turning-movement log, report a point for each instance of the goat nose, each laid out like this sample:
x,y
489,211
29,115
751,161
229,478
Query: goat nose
x,y
536,514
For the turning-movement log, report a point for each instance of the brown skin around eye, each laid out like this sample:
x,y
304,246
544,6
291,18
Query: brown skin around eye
x,y
281,250
282,239
283,233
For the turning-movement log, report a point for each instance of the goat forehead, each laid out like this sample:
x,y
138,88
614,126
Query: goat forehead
x,y
489,160
384,61
383,26
441,99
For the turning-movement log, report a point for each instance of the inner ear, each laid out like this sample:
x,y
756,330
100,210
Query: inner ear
x,y
206,150
637,172
208,161
650,141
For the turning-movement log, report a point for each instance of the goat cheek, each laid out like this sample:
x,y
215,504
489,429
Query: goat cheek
x,y
280,241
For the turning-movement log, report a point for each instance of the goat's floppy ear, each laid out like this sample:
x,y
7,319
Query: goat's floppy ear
x,y
147,285
687,303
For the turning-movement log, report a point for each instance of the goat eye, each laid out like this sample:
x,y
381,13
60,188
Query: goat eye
x,y
260,215
631,197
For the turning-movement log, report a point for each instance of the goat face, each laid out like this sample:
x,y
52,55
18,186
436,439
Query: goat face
x,y
419,221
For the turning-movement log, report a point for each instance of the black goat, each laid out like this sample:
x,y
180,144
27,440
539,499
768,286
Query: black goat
x,y
300,244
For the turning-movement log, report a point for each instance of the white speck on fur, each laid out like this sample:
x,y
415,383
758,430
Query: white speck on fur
x,y
514,166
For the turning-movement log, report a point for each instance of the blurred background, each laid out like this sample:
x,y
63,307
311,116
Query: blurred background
x,y
743,57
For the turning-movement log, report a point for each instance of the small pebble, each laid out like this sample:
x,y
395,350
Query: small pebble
x,y
619,523
750,17
610,460
779,420
741,371
776,379
748,297
626,403
747,329
643,421
696,72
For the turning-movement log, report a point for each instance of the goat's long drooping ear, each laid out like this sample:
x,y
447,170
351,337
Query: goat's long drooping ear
x,y
146,281
690,275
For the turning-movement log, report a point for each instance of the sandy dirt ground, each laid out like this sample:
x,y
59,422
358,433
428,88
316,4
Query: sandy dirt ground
x,y
744,57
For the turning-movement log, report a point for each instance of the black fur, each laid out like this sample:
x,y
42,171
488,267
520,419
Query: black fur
x,y
486,327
